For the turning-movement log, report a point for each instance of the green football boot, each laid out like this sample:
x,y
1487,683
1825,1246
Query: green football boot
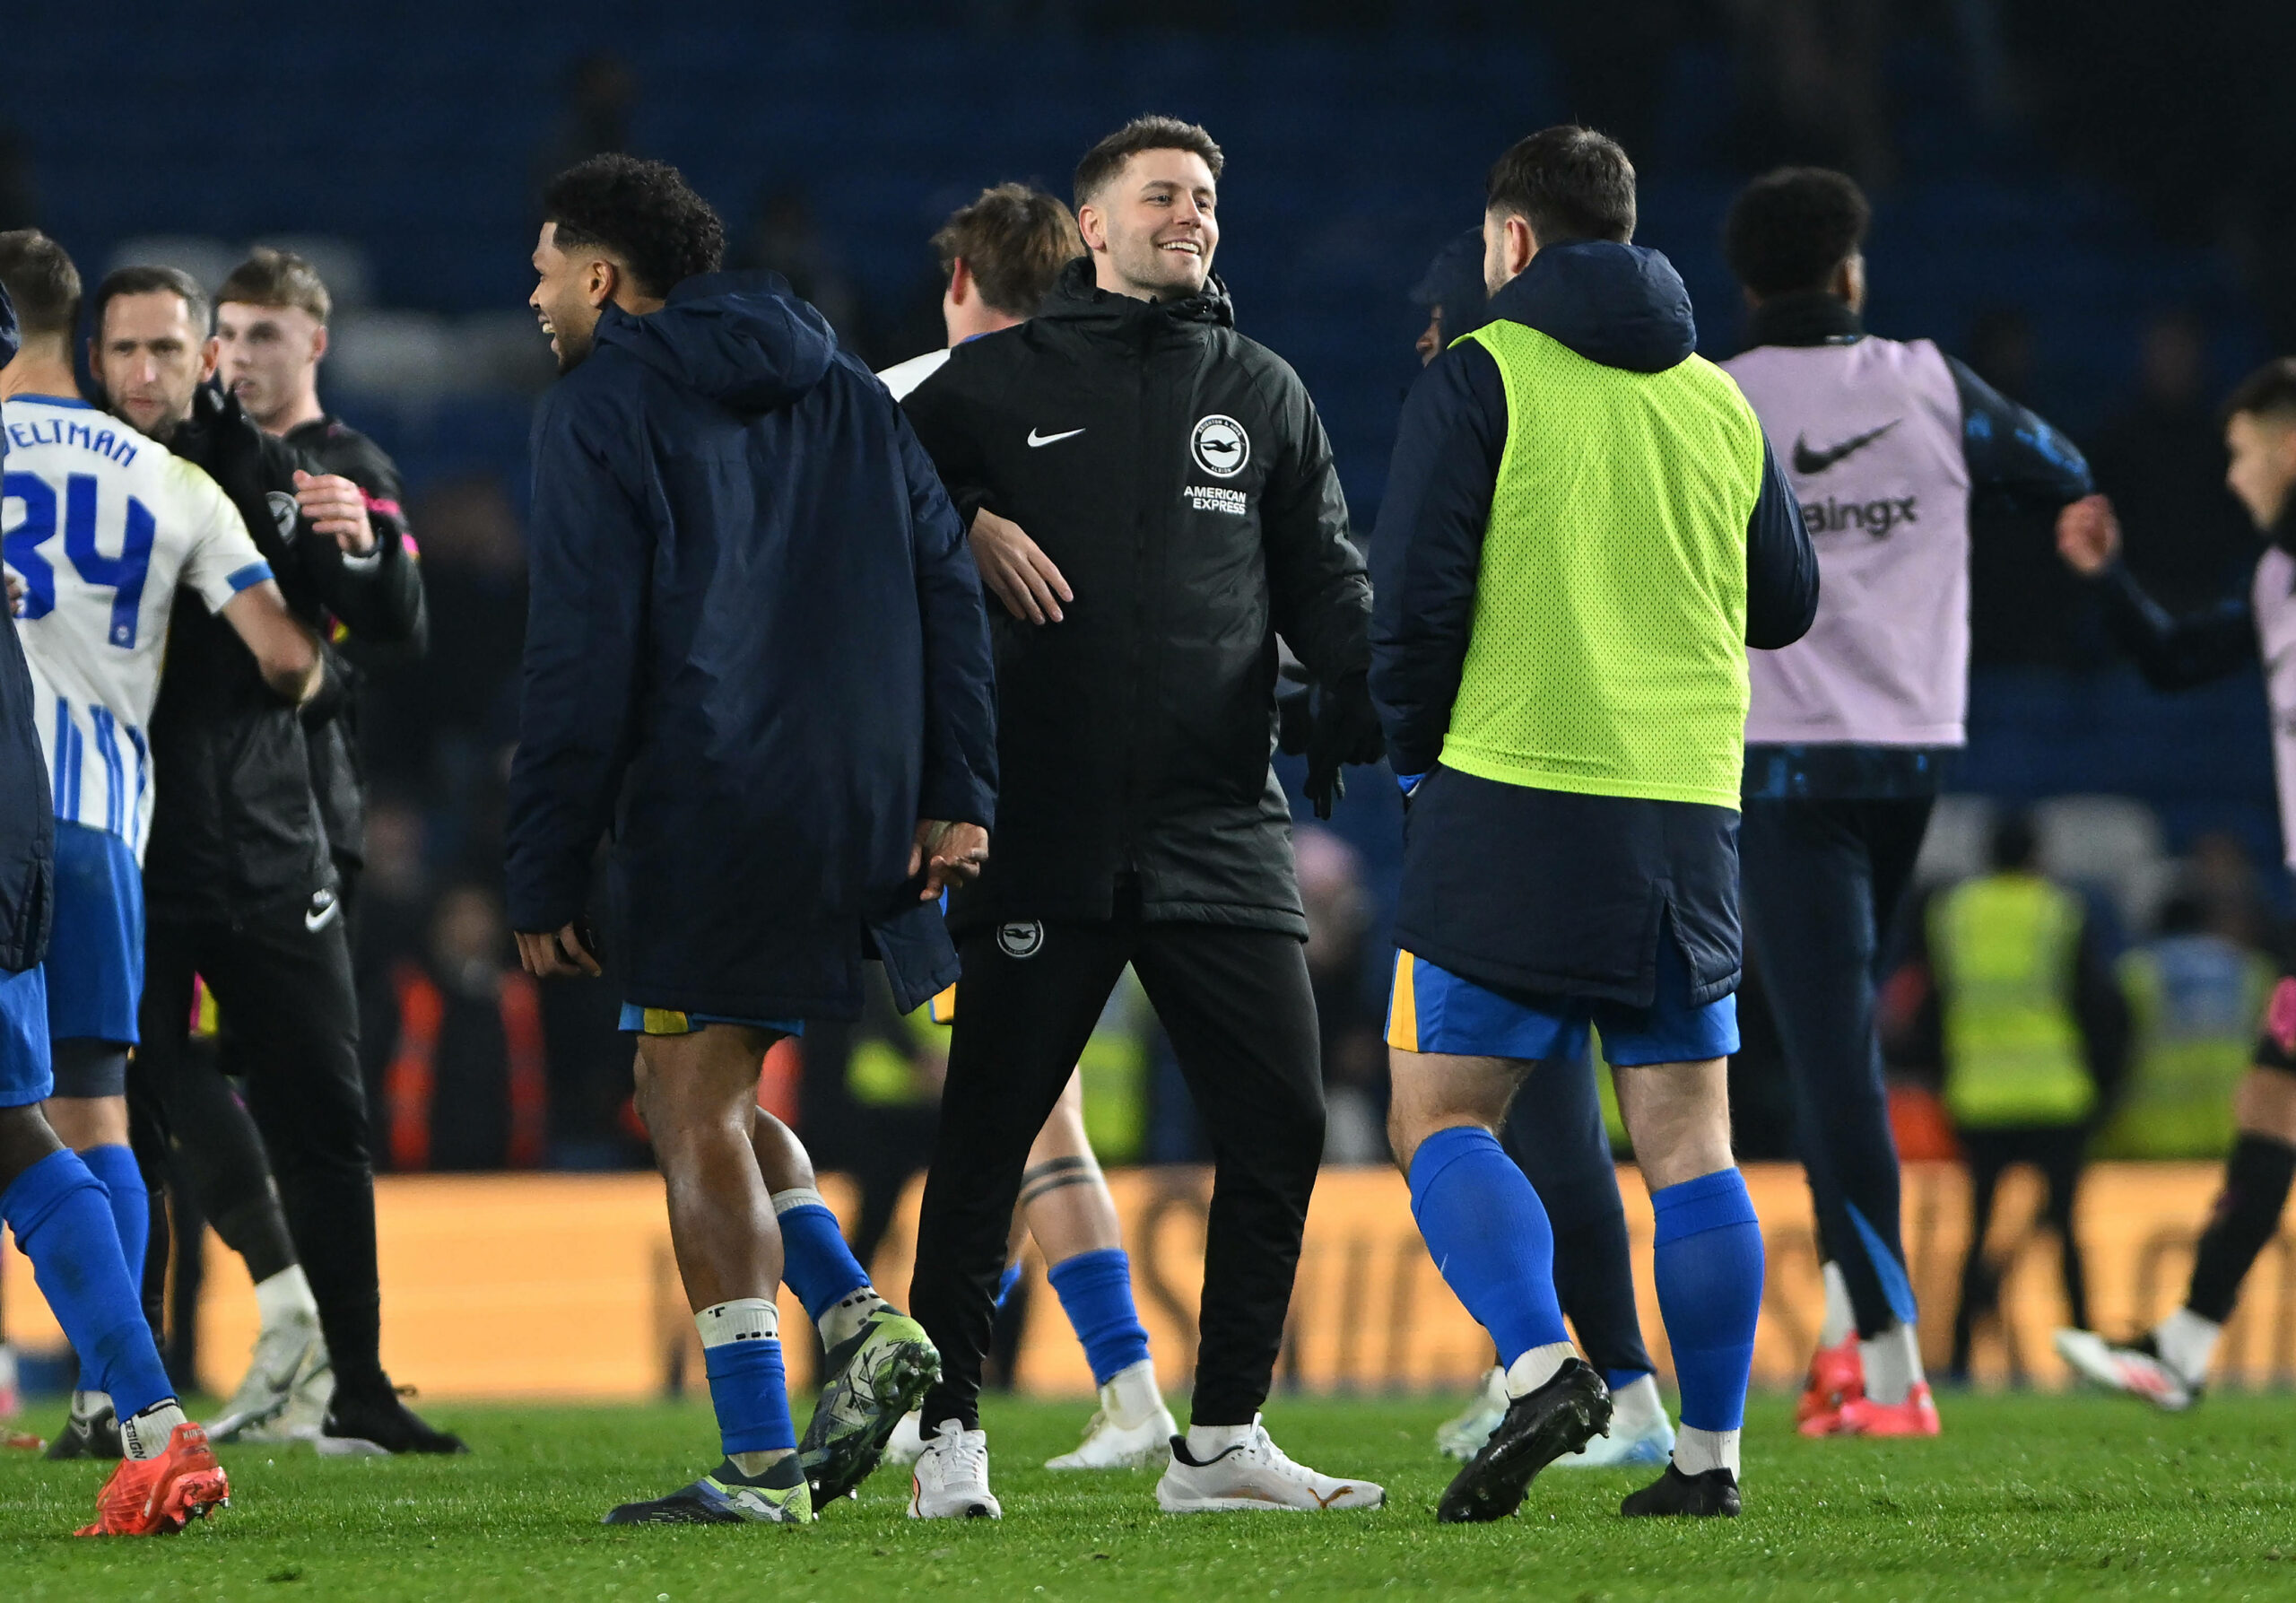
x,y
725,1496
875,1375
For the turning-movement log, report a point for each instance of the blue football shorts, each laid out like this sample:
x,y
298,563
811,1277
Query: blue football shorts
x,y
95,954
637,1020
1433,1010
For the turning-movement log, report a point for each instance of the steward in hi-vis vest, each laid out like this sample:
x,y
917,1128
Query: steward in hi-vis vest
x,y
2031,1034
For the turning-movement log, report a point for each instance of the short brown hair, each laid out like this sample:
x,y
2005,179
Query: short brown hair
x,y
2269,392
1105,159
1014,238
271,277
42,282
1567,183
152,281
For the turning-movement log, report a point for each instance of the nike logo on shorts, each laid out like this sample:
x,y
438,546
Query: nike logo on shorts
x,y
322,911
1036,439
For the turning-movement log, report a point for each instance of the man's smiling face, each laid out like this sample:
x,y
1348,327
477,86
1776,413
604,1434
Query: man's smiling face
x,y
1155,225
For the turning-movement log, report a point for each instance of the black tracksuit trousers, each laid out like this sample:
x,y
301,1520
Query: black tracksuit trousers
x,y
1242,1020
286,987
1822,880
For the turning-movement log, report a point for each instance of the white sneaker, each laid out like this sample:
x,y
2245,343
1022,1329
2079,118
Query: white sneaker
x,y
1252,1475
950,1480
2130,1369
285,1357
907,1440
1641,1432
1108,1445
1463,1437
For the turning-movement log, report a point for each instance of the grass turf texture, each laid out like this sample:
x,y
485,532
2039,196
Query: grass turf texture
x,y
2023,1497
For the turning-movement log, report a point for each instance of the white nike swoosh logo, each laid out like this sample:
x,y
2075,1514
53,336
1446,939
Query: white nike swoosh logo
x,y
1036,439
317,921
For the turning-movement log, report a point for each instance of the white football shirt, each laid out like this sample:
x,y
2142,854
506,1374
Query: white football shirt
x,y
101,524
905,376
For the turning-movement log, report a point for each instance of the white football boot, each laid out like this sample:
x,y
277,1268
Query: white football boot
x,y
2136,1369
950,1480
1641,1432
1254,1475
907,1440
1463,1437
285,1357
1130,1430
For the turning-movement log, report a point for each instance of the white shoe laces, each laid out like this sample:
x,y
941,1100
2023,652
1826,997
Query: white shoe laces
x,y
964,1457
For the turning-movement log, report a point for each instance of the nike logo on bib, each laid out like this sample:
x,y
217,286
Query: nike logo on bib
x,y
1036,439
1807,461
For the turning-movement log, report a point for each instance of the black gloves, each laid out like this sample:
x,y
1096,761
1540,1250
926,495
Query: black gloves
x,y
1345,729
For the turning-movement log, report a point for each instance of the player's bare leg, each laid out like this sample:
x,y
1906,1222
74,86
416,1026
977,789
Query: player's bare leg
x,y
1066,1204
877,1362
2168,1365
697,1093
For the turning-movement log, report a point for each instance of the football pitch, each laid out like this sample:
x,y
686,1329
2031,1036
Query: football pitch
x,y
2025,1496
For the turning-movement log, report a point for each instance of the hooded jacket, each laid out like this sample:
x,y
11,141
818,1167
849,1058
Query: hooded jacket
x,y
238,827
1527,891
755,648
1178,475
27,822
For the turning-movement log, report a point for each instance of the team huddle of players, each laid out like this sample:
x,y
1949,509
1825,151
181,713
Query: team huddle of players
x,y
1596,642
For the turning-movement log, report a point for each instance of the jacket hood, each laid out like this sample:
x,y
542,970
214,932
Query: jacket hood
x,y
1078,299
742,339
1620,305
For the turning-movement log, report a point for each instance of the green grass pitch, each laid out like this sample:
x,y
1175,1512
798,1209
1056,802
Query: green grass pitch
x,y
2025,1497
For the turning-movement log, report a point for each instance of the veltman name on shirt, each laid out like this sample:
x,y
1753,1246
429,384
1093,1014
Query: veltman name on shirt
x,y
1209,498
56,431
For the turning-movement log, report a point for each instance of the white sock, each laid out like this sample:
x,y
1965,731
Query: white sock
x,y
1637,1407
2188,1344
145,1436
1132,1397
840,1321
7,1368
1696,1451
1535,1368
1840,1318
1892,1363
745,1319
1207,1442
285,1298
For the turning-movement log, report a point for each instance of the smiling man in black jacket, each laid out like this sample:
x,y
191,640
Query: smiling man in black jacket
x,y
1177,474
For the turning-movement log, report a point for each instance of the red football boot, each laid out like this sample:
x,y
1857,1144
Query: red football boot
x,y
1837,1377
155,1497
1915,1416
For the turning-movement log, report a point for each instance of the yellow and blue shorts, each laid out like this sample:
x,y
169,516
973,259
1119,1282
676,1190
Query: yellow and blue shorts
x,y
673,1021
1433,1010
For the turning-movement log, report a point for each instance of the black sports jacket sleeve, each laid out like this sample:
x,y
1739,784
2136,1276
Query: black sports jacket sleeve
x,y
1316,578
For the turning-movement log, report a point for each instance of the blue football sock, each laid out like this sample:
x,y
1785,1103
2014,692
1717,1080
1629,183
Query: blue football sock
x,y
1096,1292
1488,1236
62,1217
130,1203
815,1261
1004,1286
1707,1255
748,1387
1619,1380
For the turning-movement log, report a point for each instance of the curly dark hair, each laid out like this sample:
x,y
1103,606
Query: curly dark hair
x,y
1788,230
643,212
